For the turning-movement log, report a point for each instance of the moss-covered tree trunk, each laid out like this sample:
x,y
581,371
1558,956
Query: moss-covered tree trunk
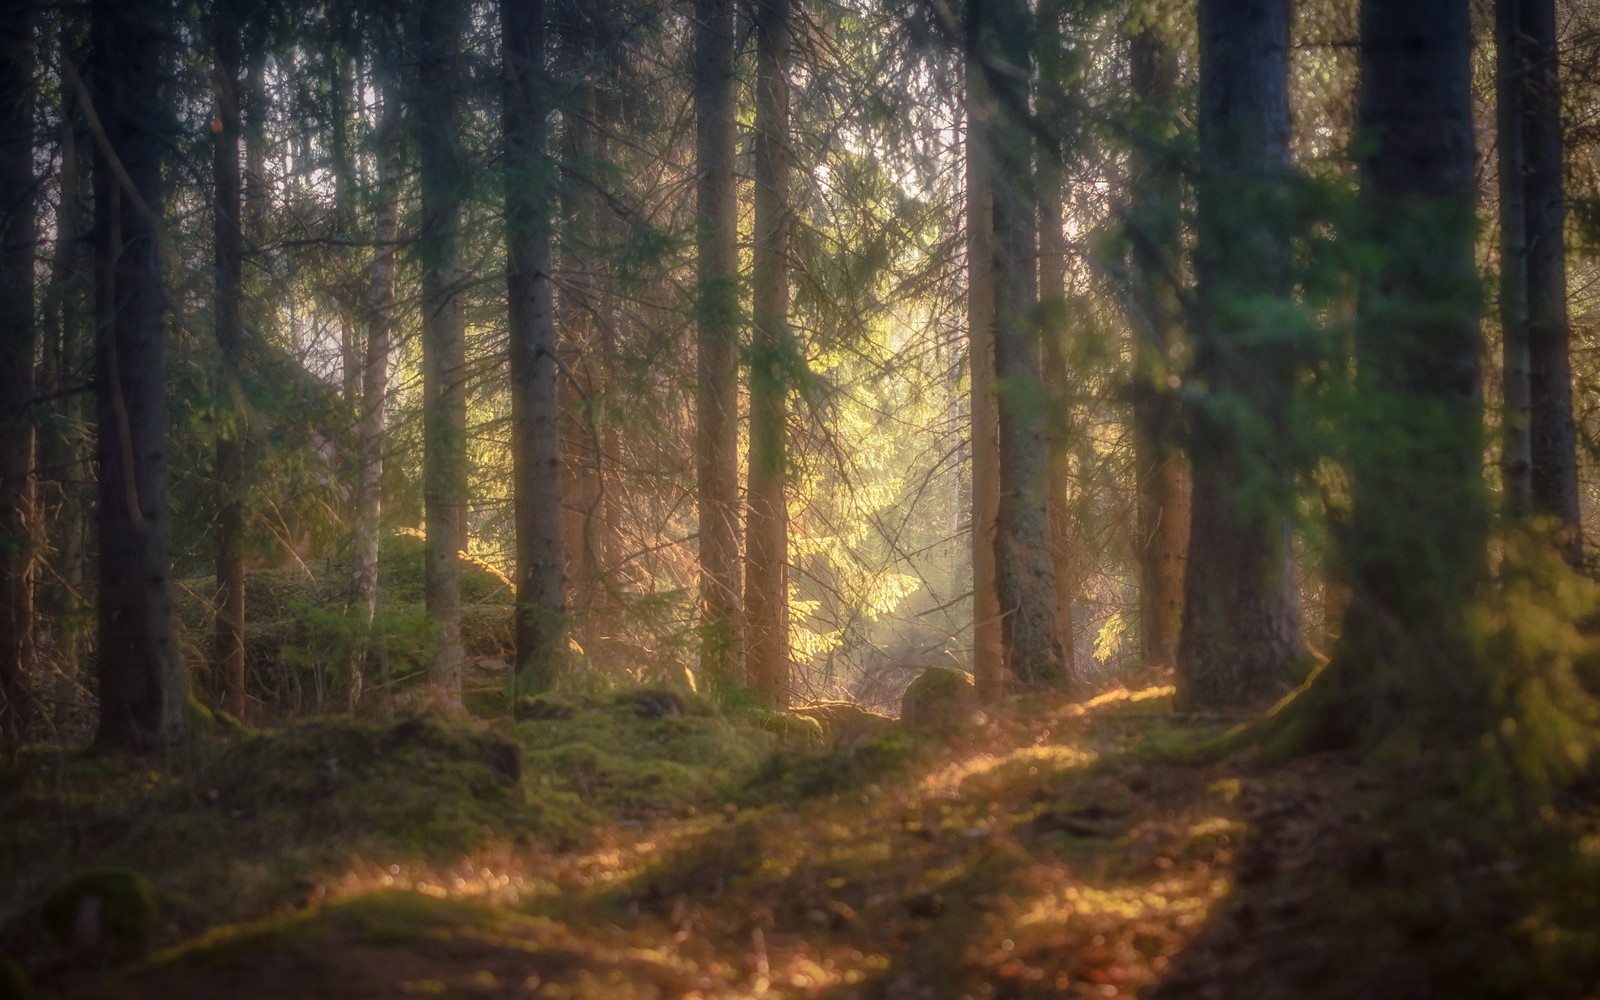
x,y
1241,626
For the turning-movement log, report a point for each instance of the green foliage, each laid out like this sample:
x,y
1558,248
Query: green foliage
x,y
1537,631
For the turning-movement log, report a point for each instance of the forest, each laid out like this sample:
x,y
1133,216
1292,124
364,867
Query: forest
x,y
850,499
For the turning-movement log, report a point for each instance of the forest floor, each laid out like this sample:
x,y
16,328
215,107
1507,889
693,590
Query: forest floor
x,y
646,846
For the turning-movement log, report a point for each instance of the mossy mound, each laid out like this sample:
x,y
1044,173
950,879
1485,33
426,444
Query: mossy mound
x,y
426,784
845,721
638,752
941,699
399,943
102,907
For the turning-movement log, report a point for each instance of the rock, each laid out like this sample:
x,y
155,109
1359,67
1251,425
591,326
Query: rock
x,y
940,699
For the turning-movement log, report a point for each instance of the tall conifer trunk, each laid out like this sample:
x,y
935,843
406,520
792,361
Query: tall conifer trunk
x,y
1025,580
1162,538
1418,530
442,178
18,341
1241,625
1053,312
766,598
1516,460
535,406
988,659
1552,434
375,370
141,681
717,326
227,209
62,453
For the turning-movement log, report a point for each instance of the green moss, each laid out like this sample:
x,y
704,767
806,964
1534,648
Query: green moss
x,y
114,905
384,917
794,774
939,699
845,721
640,750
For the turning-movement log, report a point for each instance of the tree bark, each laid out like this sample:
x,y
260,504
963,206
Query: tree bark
x,y
375,374
1162,539
442,177
1054,331
988,659
717,326
535,406
1516,460
1552,435
1025,580
17,345
1241,626
62,455
141,681
766,598
228,649
1419,526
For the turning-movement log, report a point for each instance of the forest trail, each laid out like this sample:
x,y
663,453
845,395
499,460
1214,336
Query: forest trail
x,y
1040,858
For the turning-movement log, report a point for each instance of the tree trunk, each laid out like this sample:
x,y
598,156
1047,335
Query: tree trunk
x,y
1419,526
1552,435
442,177
62,455
141,681
1241,627
228,651
375,375
1516,461
988,659
17,344
766,598
1053,310
535,406
1162,539
717,324
1025,578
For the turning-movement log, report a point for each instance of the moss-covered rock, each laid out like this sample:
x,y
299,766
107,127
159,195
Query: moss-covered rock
x,y
845,722
939,700
101,906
